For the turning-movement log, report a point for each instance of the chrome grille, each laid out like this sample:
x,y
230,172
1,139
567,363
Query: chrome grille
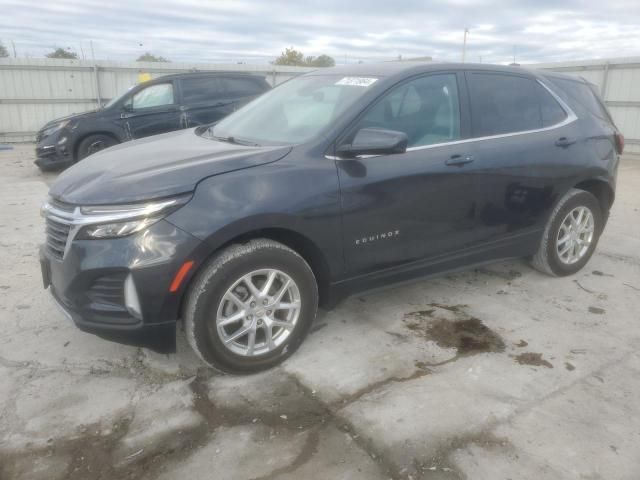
x,y
59,217
57,235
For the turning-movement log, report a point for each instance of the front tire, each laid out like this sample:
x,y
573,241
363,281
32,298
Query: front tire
x,y
250,307
93,144
571,234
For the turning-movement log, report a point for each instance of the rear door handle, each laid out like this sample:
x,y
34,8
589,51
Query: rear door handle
x,y
564,142
459,160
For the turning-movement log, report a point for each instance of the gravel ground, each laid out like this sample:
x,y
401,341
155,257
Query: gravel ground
x,y
494,373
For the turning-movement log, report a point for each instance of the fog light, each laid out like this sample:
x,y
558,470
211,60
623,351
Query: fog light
x,y
131,300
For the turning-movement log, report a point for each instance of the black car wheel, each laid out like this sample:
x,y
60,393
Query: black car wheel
x,y
93,144
251,306
571,234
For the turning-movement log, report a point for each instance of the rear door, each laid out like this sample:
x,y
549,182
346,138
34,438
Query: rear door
x,y
152,110
524,145
242,89
203,100
207,99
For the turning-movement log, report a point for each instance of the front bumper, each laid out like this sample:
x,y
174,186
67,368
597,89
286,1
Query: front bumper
x,y
88,283
50,155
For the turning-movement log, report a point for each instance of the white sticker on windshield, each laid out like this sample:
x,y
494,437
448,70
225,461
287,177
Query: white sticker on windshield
x,y
357,81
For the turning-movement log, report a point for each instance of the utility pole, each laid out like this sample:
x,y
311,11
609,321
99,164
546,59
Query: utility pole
x,y
464,44
15,55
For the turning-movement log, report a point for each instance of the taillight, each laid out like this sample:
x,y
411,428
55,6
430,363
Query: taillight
x,y
619,142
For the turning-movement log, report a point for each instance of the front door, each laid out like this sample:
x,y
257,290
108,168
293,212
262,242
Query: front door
x,y
419,204
152,110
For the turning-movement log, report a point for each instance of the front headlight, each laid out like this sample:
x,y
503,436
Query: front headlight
x,y
54,128
115,221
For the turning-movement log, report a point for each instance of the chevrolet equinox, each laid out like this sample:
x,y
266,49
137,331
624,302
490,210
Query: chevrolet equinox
x,y
339,180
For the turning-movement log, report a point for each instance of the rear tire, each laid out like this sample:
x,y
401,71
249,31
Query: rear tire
x,y
220,293
93,144
571,234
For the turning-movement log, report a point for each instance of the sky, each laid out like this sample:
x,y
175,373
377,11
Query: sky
x,y
256,31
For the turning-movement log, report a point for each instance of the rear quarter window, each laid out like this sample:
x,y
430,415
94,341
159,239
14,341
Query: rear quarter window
x,y
578,92
550,110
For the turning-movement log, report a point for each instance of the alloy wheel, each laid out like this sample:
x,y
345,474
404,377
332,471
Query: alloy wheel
x,y
258,312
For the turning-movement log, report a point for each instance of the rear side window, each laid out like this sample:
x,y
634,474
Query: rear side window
x,y
200,89
236,87
503,104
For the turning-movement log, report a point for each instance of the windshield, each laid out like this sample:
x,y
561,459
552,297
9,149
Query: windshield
x,y
294,112
117,98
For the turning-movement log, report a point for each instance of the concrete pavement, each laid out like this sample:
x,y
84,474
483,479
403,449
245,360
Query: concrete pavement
x,y
494,373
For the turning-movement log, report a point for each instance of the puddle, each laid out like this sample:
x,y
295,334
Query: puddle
x,y
450,327
534,359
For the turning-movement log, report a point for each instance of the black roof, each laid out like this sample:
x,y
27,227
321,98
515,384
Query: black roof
x,y
210,73
390,69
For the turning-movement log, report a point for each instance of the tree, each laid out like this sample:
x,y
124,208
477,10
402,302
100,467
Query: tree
x,y
62,53
149,57
3,51
293,57
322,61
290,57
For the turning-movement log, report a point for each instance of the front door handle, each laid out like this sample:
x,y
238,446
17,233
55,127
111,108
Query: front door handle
x,y
459,160
564,142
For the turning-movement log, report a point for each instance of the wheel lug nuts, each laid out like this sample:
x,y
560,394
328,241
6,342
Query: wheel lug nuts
x,y
265,301
268,312
253,304
249,317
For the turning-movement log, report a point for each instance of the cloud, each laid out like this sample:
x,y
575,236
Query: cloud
x,y
257,31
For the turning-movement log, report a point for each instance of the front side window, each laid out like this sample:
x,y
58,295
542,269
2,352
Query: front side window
x,y
504,104
294,112
153,96
426,109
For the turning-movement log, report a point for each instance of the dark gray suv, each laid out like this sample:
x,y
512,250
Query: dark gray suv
x,y
340,180
165,104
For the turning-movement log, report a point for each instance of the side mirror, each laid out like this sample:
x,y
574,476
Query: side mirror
x,y
375,141
127,107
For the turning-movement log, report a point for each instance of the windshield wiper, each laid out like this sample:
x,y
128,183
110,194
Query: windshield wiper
x,y
233,140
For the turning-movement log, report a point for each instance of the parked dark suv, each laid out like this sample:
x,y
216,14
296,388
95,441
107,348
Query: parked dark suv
x,y
339,180
158,106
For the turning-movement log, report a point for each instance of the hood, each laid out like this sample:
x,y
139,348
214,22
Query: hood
x,y
155,167
73,116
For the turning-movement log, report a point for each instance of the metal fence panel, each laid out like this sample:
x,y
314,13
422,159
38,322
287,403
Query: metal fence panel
x,y
34,91
619,82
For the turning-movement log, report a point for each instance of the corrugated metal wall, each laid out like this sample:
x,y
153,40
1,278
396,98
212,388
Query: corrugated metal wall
x,y
34,91
619,83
